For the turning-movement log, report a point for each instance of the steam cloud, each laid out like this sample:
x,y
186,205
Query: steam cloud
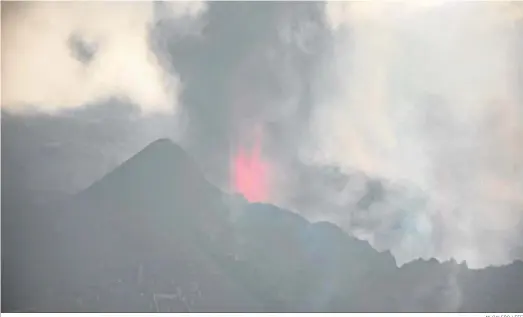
x,y
64,55
426,97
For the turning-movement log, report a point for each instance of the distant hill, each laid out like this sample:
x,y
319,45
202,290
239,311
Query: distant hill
x,y
154,235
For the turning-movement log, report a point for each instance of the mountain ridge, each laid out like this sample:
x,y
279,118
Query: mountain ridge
x,y
154,230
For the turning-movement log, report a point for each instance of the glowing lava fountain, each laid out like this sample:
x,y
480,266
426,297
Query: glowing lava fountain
x,y
250,173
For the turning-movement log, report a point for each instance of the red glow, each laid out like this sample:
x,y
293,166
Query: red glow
x,y
250,174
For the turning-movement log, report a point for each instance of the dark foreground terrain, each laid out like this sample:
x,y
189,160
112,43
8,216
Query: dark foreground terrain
x,y
154,235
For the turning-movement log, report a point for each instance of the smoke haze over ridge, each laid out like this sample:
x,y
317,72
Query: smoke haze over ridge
x,y
429,96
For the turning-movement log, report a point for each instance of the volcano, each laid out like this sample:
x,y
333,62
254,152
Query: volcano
x,y
154,236
150,236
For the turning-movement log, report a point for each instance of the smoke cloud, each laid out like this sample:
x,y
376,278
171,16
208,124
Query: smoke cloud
x,y
64,55
426,97
401,123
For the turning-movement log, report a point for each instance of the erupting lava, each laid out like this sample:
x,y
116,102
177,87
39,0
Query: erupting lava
x,y
250,173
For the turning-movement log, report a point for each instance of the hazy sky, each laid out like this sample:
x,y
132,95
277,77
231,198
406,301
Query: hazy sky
x,y
422,99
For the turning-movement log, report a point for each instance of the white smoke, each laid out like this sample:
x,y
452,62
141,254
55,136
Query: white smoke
x,y
426,96
41,72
